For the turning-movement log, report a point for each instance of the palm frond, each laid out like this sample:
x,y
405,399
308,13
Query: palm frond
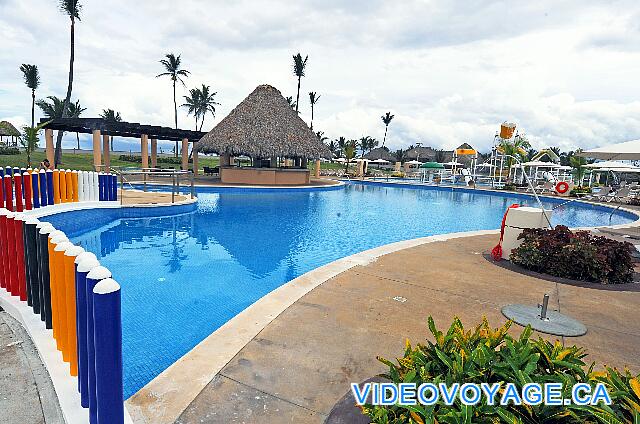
x,y
31,75
71,8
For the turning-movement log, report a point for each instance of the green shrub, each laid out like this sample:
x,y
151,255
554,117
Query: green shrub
x,y
579,190
486,355
168,160
510,187
576,255
6,150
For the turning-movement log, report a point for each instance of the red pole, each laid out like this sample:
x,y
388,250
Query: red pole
x,y
8,192
3,250
17,180
12,269
28,197
22,278
1,189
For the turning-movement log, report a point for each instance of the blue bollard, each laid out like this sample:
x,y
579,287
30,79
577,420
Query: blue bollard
x,y
8,171
114,187
108,346
43,188
101,187
96,274
107,187
49,186
35,190
85,262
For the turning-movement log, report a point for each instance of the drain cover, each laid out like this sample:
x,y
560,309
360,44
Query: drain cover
x,y
555,323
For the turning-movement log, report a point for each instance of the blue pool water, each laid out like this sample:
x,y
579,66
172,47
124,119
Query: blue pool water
x,y
185,275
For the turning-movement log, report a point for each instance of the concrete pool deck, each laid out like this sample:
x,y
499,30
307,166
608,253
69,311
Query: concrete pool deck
x,y
302,362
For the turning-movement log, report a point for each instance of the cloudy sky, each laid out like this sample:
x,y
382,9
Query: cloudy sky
x,y
450,71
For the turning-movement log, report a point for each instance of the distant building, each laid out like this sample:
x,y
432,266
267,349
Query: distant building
x,y
429,154
380,153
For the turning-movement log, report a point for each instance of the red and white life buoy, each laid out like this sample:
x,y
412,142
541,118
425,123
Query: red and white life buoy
x,y
562,187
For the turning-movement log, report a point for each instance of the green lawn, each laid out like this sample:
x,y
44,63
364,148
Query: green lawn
x,y
84,161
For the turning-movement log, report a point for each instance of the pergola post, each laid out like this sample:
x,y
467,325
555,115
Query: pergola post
x,y
195,160
144,150
185,154
154,152
97,157
48,136
317,173
106,153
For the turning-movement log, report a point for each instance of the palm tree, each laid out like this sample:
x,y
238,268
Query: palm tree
x,y
29,139
386,119
399,155
298,71
32,80
75,110
207,103
171,65
321,136
349,151
578,163
515,149
111,115
313,99
52,109
440,156
72,9
331,145
192,103
292,104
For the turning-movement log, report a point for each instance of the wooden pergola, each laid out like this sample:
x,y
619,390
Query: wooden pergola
x,y
98,127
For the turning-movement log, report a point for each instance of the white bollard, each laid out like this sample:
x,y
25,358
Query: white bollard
x,y
96,187
80,187
517,220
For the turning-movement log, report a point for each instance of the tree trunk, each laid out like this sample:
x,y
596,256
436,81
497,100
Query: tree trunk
x,y
58,152
112,143
386,127
78,140
33,105
311,116
175,111
298,96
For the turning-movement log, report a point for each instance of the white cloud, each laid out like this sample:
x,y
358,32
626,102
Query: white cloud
x,y
450,71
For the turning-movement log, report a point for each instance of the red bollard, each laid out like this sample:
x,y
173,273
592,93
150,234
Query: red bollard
x,y
8,192
3,244
1,189
17,182
19,251
12,269
28,196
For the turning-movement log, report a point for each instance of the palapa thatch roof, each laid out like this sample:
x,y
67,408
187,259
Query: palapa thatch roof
x,y
380,153
262,126
7,129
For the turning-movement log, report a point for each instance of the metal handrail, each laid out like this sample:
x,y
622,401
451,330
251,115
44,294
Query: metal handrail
x,y
156,172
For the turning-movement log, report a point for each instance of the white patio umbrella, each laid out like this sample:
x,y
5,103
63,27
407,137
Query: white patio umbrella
x,y
382,161
540,164
341,160
414,162
453,163
629,150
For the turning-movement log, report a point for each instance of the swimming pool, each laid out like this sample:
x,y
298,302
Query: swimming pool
x,y
185,275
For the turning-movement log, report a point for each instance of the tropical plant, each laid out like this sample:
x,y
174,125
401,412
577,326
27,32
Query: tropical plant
x,y
172,65
386,119
349,151
531,153
52,109
292,103
400,155
321,136
578,163
199,102
31,80
207,103
111,115
29,139
298,70
576,255
514,149
491,355
75,110
192,103
313,99
440,156
333,148
72,9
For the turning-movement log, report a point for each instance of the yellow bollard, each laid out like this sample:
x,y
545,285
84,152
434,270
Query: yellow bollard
x,y
63,186
61,297
70,291
56,186
69,176
74,176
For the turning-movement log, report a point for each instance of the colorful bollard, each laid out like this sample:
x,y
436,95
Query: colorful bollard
x,y
28,196
8,192
2,188
4,268
17,182
101,187
93,277
19,248
69,184
44,229
51,187
85,262
108,350
31,263
60,302
69,258
11,268
35,184
114,188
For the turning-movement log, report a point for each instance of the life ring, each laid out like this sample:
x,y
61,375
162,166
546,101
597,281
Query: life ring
x,y
562,187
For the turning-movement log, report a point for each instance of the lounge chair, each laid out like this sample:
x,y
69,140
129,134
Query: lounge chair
x,y
547,187
602,194
623,195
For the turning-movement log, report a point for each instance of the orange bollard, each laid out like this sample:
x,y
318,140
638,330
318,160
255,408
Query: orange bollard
x,y
61,299
74,180
70,291
55,237
56,186
63,186
69,176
